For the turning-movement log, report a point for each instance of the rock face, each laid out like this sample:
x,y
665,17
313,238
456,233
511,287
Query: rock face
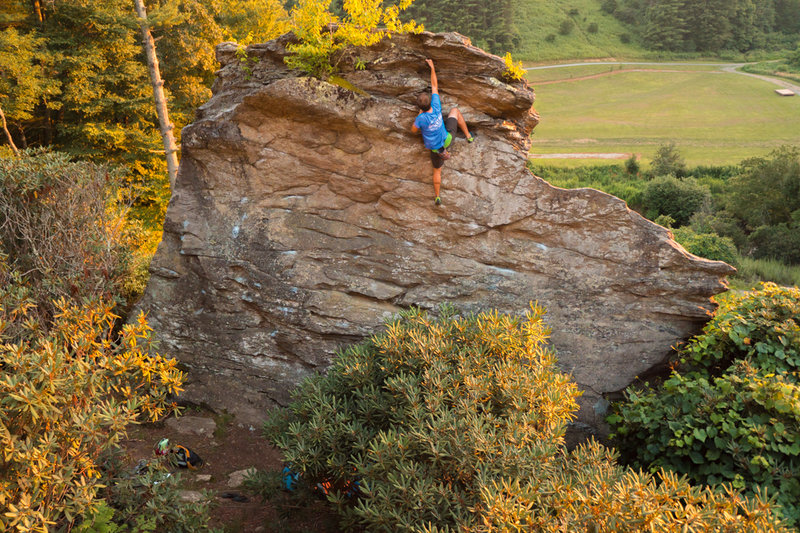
x,y
303,217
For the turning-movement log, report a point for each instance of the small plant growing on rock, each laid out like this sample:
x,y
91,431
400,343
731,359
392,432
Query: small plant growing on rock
x,y
513,71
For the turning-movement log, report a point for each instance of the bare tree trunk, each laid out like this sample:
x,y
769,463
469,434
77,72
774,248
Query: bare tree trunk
x,y
8,133
37,7
164,124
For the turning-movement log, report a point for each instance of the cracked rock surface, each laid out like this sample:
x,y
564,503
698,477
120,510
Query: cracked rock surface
x,y
303,217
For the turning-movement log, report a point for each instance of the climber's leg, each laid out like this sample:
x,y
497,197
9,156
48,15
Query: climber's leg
x,y
437,182
462,124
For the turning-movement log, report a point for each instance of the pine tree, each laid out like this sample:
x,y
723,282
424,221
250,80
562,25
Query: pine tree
x,y
708,24
664,25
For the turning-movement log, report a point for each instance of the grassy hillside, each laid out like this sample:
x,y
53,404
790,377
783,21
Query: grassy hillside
x,y
538,19
714,117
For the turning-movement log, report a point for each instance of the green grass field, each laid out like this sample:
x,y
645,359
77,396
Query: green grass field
x,y
714,117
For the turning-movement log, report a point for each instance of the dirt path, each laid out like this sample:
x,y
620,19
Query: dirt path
x,y
776,81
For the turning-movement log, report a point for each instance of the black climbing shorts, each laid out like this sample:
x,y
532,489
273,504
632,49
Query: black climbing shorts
x,y
451,125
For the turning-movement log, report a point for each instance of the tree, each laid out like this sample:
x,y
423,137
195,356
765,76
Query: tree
x,y
8,134
708,24
664,25
254,21
149,46
794,57
767,192
490,24
668,161
27,84
322,34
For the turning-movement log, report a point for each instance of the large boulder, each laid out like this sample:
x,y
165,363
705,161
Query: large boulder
x,y
302,218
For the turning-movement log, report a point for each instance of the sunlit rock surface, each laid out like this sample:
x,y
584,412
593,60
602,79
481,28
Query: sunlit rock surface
x,y
303,217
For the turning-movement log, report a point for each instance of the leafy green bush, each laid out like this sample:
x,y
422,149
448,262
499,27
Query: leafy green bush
x,y
566,27
734,415
632,165
668,162
762,327
61,224
708,245
457,424
426,413
680,199
741,428
766,192
720,223
592,28
68,388
781,241
609,6
147,500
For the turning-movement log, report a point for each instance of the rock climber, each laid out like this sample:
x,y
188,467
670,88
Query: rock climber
x,y
437,133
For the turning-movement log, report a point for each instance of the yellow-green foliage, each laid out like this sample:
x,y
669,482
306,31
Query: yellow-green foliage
x,y
322,33
457,424
254,21
64,224
514,71
68,389
586,490
732,413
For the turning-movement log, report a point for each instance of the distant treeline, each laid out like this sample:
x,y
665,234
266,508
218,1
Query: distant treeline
x,y
711,25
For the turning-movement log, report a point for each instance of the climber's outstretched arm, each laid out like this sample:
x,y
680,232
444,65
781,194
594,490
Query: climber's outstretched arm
x,y
434,81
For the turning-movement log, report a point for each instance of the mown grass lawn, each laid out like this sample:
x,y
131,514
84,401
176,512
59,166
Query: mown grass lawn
x,y
713,117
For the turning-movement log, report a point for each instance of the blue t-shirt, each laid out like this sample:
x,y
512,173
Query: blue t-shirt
x,y
432,126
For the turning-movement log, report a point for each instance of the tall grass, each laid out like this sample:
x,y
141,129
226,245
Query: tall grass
x,y
754,270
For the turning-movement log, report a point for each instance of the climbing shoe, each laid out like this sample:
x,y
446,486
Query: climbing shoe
x,y
437,201
470,138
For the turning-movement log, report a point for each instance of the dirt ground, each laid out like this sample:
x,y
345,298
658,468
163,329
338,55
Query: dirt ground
x,y
227,447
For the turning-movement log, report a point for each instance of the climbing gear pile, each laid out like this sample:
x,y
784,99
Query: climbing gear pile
x,y
178,455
